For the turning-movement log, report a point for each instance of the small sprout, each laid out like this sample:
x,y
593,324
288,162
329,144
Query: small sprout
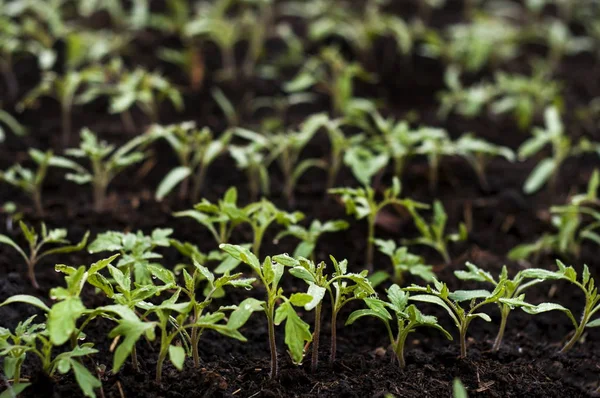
x,y
286,149
512,294
309,236
330,71
434,234
347,286
440,295
408,318
65,89
562,148
361,203
252,159
31,182
403,261
297,332
435,144
365,162
458,389
196,150
571,226
586,285
106,163
36,245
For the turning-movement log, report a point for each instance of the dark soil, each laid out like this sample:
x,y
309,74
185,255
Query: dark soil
x,y
528,365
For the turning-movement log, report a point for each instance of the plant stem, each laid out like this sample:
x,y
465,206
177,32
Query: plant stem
x,y
333,336
134,359
433,173
99,196
504,317
315,351
579,330
198,183
66,124
12,85
370,239
31,273
399,350
258,237
272,343
463,341
37,202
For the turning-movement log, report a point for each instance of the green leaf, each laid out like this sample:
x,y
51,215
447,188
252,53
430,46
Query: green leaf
x,y
8,241
24,298
545,307
540,175
300,299
62,318
317,293
427,298
593,324
242,254
302,273
297,332
132,330
177,356
87,382
458,389
242,313
14,390
467,295
171,180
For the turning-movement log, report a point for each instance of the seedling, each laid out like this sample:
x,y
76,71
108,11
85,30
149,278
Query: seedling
x,y
434,234
512,294
253,160
435,144
31,182
36,246
570,224
361,203
309,236
318,284
408,318
450,301
365,162
172,315
196,150
403,261
333,74
560,41
547,170
286,148
478,152
106,163
64,89
139,87
587,286
297,332
136,249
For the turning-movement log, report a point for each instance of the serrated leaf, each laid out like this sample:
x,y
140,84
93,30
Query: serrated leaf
x,y
171,180
177,356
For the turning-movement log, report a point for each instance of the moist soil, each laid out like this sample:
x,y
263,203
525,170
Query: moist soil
x,y
528,364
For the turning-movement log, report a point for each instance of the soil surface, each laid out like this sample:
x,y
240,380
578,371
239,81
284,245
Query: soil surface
x,y
528,364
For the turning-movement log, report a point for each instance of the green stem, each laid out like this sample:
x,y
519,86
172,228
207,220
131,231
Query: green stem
x,y
504,317
272,343
370,239
579,330
37,202
31,273
315,351
164,349
198,183
333,336
463,340
134,359
399,350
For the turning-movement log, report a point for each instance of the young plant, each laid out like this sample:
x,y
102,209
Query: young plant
x,y
586,285
252,159
435,144
286,148
403,261
563,147
136,249
297,332
172,315
31,182
333,74
309,236
440,295
196,150
64,89
572,227
408,318
434,234
36,246
512,295
361,203
478,152
106,163
319,283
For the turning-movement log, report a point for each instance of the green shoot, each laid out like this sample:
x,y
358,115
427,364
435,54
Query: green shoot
x,y
344,284
434,234
252,159
36,246
435,144
403,261
309,236
361,203
106,163
196,150
297,332
408,318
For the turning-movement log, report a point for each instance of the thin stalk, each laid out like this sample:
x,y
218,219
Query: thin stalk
x,y
433,173
134,359
370,239
315,351
31,272
258,238
99,196
504,317
37,201
463,341
198,182
579,330
333,336
399,350
272,343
